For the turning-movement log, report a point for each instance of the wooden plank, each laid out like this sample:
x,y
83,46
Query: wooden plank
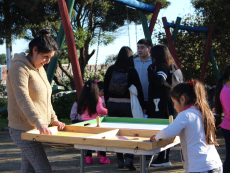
x,y
106,135
95,130
138,133
161,143
87,141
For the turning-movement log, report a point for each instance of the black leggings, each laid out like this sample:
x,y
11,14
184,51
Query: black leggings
x,y
89,153
226,134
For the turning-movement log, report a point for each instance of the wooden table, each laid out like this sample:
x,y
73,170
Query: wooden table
x,y
125,135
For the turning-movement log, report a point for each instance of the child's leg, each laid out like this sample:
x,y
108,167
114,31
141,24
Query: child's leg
x,y
103,153
89,153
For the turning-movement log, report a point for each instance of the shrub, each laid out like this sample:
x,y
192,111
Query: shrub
x,y
62,104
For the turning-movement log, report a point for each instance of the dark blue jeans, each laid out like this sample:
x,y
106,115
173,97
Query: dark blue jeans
x,y
226,165
119,109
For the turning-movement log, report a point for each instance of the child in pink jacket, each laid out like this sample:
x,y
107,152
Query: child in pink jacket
x,y
89,107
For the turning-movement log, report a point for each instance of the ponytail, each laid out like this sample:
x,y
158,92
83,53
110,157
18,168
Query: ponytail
x,y
195,93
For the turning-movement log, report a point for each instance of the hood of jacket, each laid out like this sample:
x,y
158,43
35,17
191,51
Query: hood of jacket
x,y
22,57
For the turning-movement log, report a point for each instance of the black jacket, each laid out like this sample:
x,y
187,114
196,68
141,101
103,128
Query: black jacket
x,y
161,104
133,78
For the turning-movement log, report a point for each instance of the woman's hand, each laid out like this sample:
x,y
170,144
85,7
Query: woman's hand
x,y
144,111
43,129
60,125
153,138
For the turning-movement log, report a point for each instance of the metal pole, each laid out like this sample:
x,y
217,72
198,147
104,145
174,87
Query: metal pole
x,y
143,163
82,161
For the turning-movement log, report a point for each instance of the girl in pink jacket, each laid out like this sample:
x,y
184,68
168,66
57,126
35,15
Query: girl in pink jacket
x,y
89,107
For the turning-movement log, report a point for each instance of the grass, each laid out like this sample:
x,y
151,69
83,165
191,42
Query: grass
x,y
3,123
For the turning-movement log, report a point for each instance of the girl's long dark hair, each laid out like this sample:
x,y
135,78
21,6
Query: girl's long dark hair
x,y
160,55
89,98
197,95
124,59
219,86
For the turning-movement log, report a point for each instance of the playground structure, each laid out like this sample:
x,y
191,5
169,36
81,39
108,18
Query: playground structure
x,y
207,36
65,30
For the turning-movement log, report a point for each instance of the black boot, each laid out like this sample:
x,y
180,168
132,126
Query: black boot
x,y
120,163
129,164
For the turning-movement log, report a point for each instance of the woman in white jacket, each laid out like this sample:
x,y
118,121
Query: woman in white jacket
x,y
195,126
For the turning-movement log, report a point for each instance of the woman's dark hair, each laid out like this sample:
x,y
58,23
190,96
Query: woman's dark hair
x,y
219,86
44,43
124,59
89,98
100,85
160,55
196,94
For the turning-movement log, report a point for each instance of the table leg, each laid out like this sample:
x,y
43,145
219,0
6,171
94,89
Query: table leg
x,y
142,164
82,161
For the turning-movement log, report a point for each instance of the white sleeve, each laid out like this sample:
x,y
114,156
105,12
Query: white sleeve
x,y
175,128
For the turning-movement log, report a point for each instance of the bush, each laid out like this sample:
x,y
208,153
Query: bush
x,y
62,104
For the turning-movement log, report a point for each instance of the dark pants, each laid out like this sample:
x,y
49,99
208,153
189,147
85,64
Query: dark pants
x,y
226,165
147,107
164,155
89,153
119,109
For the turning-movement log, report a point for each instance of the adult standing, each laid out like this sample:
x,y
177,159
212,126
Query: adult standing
x,y
29,101
141,64
161,105
120,105
222,104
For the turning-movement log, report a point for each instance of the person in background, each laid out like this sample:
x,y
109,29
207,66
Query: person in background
x,y
120,105
211,97
222,104
141,64
89,107
29,101
74,116
195,125
101,92
161,105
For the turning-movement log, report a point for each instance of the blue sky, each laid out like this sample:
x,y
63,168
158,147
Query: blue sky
x,y
177,8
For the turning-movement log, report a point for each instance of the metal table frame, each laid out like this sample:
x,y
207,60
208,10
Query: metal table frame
x,y
142,153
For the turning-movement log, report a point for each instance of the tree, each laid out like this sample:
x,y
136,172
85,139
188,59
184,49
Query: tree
x,y
190,49
3,59
217,13
97,20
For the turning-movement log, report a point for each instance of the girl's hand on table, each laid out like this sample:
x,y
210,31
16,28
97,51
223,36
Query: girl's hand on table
x,y
153,138
43,129
60,125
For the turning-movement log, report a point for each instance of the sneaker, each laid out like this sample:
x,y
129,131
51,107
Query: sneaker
x,y
163,162
129,164
88,160
104,160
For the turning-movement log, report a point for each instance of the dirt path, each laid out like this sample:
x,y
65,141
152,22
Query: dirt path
x,y
62,161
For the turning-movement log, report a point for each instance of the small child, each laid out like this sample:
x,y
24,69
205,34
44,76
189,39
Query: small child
x,y
101,92
74,116
89,107
195,125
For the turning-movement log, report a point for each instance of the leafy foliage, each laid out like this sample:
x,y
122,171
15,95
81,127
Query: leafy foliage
x,y
217,12
2,59
91,75
62,105
190,49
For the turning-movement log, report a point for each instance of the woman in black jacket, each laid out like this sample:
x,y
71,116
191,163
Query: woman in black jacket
x,y
119,105
161,104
